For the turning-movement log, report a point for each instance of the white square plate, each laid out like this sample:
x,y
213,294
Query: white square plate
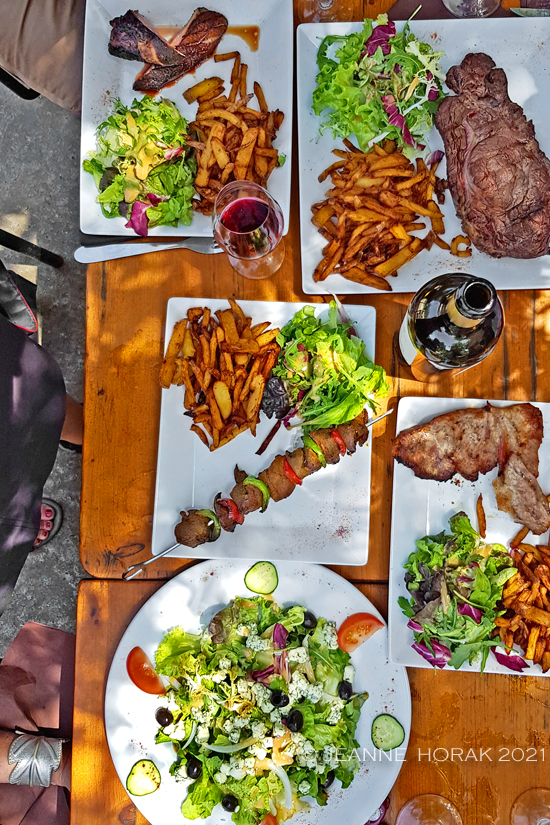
x,y
520,47
422,507
106,77
325,521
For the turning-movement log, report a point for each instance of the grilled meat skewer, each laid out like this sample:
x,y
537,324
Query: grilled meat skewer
x,y
196,525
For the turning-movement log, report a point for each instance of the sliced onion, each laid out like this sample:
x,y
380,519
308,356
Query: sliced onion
x,y
283,776
240,746
191,736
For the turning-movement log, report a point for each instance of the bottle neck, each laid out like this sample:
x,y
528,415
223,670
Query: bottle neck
x,y
471,303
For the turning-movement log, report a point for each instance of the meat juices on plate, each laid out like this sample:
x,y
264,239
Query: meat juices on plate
x,y
498,176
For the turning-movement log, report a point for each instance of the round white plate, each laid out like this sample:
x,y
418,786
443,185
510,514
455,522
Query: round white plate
x,y
191,600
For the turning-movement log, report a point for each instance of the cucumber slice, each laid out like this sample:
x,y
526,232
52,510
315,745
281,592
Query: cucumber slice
x,y
262,578
144,778
387,733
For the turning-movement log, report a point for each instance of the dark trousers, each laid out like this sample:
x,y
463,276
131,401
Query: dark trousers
x,y
32,411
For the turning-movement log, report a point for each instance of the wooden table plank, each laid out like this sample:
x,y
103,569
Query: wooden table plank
x,y
489,713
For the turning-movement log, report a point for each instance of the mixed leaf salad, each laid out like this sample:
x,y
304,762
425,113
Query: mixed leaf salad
x,y
141,167
261,711
456,580
327,376
380,83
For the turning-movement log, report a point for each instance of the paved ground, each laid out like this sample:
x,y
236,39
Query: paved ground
x,y
39,147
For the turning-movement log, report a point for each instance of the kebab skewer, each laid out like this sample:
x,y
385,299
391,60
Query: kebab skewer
x,y
277,482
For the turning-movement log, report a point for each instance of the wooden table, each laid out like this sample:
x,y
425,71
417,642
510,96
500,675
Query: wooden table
x,y
126,305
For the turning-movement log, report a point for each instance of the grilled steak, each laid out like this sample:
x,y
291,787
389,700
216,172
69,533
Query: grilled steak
x,y
498,177
474,441
133,38
195,42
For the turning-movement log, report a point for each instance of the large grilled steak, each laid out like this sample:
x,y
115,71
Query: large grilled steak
x,y
474,441
195,42
498,177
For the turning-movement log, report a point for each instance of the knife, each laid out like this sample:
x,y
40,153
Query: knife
x,y
111,252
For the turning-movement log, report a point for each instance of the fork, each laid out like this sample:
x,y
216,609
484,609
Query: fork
x,y
111,252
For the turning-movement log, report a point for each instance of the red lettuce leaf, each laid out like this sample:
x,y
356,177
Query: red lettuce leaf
x,y
512,662
138,219
380,37
440,655
467,610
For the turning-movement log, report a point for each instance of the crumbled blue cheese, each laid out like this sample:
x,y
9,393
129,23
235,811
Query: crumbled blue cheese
x,y
276,715
234,736
258,751
243,630
218,676
279,729
243,689
203,732
267,742
299,686
298,654
259,729
349,673
201,715
224,768
180,772
304,788
219,777
224,663
330,636
330,756
255,643
335,712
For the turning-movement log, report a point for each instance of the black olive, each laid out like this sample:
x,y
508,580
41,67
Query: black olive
x,y
328,781
345,690
279,699
309,620
194,767
164,717
230,803
295,721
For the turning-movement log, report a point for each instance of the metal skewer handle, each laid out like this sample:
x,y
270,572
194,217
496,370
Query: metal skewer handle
x,y
136,569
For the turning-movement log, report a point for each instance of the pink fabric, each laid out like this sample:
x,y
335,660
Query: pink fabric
x,y
36,690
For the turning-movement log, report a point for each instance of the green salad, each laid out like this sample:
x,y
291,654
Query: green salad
x,y
380,83
141,167
261,711
327,375
456,580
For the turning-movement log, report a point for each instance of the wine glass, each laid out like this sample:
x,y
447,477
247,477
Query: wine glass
x,y
531,808
248,225
429,809
323,11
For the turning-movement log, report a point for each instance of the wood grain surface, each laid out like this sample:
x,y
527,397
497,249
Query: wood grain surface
x,y
126,306
498,726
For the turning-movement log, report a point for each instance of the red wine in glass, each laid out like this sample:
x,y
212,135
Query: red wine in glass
x,y
248,224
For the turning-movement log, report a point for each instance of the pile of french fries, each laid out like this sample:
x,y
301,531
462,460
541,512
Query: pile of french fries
x,y
235,140
527,597
223,362
374,204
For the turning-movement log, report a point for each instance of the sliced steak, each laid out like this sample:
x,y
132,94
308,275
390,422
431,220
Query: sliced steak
x,y
518,493
498,176
247,497
297,461
196,42
328,445
134,38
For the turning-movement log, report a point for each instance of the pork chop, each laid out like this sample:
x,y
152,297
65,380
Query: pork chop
x,y
474,441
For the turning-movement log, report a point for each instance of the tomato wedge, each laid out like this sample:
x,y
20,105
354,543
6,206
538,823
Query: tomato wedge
x,y
357,629
290,474
142,673
269,820
335,435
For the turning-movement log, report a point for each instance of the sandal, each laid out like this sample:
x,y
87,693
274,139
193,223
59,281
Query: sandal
x,y
50,522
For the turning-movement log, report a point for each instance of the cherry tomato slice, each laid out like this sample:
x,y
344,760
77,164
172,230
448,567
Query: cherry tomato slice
x,y
357,629
269,820
142,673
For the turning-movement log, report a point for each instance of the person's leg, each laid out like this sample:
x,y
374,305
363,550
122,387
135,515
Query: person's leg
x,y
73,426
32,411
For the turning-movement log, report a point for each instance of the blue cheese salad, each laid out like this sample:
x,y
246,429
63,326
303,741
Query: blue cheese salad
x,y
261,711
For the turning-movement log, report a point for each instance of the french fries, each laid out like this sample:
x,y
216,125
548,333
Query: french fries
x,y
526,597
223,362
235,140
368,214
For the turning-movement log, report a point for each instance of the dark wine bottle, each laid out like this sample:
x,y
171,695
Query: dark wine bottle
x,y
453,322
